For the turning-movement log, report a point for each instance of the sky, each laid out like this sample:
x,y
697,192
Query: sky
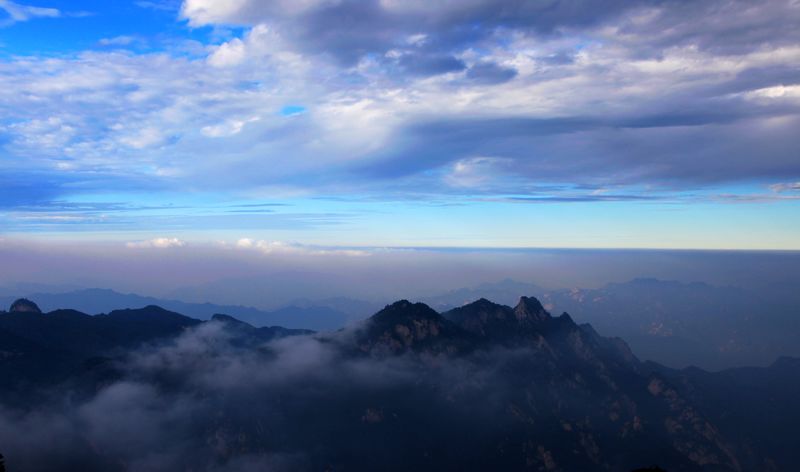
x,y
338,126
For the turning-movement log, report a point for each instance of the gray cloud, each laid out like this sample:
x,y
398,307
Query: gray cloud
x,y
490,73
695,145
722,27
430,65
349,29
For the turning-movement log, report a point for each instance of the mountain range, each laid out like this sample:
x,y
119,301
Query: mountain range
x,y
482,386
302,314
674,323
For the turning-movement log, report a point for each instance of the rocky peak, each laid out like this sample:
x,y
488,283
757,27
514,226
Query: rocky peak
x,y
483,317
404,325
23,305
481,306
403,311
529,308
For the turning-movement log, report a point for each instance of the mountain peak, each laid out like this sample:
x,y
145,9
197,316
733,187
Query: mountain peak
x,y
404,310
530,308
23,305
228,320
225,318
404,325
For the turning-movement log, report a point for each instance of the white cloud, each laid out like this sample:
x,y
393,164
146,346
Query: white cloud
x,y
143,138
476,171
157,243
18,12
280,248
778,92
207,12
46,135
117,41
228,54
203,12
229,128
245,243
785,187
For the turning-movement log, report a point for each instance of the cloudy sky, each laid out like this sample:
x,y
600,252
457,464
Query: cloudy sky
x,y
287,124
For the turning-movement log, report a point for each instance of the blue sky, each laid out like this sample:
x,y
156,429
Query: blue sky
x,y
285,125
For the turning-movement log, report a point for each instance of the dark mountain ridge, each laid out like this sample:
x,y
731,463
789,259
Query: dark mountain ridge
x,y
674,323
45,348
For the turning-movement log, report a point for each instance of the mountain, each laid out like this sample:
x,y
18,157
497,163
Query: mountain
x,y
506,291
250,335
45,348
568,398
484,386
404,326
356,310
682,324
305,316
674,323
756,407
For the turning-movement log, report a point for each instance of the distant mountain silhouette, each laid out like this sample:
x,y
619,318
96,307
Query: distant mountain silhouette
x,y
248,333
304,315
507,291
682,324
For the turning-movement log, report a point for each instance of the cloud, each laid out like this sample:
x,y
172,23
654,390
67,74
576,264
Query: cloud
x,y
398,98
785,187
228,54
230,128
476,171
490,73
17,12
117,41
283,248
422,65
349,29
157,243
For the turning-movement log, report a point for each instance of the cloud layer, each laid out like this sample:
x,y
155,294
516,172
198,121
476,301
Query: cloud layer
x,y
552,101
